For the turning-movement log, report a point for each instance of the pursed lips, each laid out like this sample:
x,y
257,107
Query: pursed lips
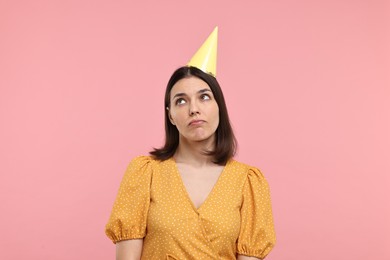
x,y
196,122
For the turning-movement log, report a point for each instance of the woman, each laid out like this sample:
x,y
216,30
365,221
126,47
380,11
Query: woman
x,y
191,199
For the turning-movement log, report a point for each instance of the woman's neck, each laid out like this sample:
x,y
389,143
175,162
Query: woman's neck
x,y
194,152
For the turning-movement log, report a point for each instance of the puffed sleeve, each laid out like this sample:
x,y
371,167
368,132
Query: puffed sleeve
x,y
257,234
130,210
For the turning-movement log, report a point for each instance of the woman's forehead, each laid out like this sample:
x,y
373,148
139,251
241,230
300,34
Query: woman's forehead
x,y
189,86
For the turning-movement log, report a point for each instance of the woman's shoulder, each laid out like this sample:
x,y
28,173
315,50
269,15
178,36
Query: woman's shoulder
x,y
247,169
145,160
142,159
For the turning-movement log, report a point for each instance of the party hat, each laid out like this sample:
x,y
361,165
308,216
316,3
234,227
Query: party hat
x,y
205,58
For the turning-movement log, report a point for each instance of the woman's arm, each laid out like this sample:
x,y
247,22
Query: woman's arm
x,y
129,249
244,257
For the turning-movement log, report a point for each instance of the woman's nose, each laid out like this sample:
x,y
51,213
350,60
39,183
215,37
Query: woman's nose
x,y
194,109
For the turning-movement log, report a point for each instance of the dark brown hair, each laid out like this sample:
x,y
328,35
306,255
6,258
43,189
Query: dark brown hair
x,y
225,142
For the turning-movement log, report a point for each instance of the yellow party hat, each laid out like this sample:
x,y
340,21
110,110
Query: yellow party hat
x,y
205,58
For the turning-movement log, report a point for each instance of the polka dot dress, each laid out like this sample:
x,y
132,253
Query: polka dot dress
x,y
153,204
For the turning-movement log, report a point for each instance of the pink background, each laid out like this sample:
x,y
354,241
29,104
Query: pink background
x,y
306,82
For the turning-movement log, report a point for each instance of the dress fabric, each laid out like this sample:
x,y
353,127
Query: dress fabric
x,y
153,204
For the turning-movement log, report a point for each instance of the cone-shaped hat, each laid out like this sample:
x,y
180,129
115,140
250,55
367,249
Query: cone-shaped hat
x,y
205,58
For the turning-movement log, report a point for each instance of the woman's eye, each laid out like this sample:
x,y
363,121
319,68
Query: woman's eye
x,y
205,97
180,101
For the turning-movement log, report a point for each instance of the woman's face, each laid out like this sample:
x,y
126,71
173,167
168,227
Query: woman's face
x,y
193,109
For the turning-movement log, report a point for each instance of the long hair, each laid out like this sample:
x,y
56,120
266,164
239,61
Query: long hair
x,y
225,141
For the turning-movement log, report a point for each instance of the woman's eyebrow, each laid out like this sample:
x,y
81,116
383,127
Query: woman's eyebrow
x,y
179,95
184,94
204,90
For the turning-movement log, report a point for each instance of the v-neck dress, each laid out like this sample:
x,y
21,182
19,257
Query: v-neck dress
x,y
153,204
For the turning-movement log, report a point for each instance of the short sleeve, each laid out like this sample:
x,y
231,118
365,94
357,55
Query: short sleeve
x,y
257,234
129,214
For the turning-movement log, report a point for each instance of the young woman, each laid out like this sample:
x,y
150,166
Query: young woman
x,y
191,199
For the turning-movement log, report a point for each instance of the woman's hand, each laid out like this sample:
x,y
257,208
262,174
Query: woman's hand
x,y
129,249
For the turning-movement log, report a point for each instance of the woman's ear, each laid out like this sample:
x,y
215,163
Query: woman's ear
x,y
169,115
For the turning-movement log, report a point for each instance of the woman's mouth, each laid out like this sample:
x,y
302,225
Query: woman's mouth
x,y
196,122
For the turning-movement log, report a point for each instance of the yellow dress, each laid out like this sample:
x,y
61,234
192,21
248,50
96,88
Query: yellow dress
x,y
153,204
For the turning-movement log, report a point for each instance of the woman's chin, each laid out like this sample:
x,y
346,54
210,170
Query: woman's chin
x,y
200,138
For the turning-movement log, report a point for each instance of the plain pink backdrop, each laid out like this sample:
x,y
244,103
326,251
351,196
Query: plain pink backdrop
x,y
306,82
